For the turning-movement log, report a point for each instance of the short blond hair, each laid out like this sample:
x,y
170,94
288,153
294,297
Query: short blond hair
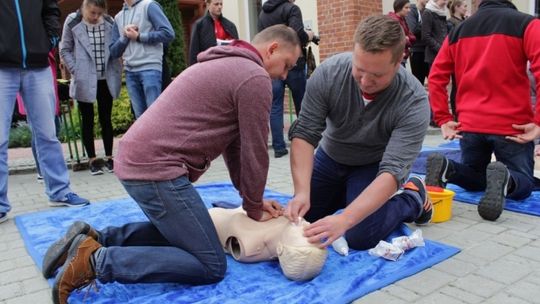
x,y
379,33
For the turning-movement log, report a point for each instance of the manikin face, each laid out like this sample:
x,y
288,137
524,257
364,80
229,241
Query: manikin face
x,y
215,8
91,13
373,72
405,10
279,59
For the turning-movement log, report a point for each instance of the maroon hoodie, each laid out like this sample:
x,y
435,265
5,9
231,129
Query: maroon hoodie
x,y
219,106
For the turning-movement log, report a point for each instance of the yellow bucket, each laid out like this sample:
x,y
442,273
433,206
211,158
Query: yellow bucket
x,y
442,205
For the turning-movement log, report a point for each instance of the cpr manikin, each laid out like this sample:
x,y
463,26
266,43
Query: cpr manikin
x,y
248,240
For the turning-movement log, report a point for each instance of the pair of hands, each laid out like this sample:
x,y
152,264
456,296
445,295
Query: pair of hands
x,y
131,31
321,233
529,132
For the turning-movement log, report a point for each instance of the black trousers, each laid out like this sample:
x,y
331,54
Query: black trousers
x,y
104,103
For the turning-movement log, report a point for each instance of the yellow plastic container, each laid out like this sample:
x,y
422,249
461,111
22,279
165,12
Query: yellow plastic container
x,y
442,205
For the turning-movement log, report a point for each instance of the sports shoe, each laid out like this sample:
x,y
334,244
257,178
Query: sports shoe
x,y
95,167
3,217
70,200
280,153
109,165
78,270
492,203
39,178
57,253
416,184
436,169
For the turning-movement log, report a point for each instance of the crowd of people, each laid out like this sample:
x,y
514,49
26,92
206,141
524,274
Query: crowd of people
x,y
361,121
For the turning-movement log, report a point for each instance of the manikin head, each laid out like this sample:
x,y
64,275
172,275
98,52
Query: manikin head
x,y
299,259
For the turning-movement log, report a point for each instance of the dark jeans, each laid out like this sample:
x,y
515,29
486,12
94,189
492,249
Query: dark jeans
x,y
179,244
334,186
419,68
476,150
296,81
104,103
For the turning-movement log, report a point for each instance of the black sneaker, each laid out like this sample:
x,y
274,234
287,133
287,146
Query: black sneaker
x,y
109,165
3,217
492,203
416,184
280,153
436,169
95,168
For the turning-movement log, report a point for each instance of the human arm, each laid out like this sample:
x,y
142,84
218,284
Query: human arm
x,y
51,20
248,160
119,42
232,157
296,22
301,168
66,46
162,29
305,134
194,47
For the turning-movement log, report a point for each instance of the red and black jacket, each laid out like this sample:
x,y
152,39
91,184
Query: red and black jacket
x,y
488,53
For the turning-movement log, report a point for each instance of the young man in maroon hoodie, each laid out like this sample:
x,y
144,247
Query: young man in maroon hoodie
x,y
196,119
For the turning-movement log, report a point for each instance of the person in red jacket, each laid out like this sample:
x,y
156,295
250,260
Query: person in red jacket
x,y
488,54
401,10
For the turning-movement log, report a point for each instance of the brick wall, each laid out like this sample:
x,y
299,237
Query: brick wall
x,y
337,21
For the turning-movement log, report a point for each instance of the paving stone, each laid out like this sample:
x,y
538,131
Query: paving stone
x,y
525,290
402,293
11,290
438,298
35,284
461,295
40,297
513,238
505,272
456,267
478,285
529,252
504,298
489,228
426,282
489,250
379,297
468,238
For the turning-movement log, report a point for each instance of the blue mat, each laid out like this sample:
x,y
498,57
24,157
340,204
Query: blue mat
x,y
530,206
342,280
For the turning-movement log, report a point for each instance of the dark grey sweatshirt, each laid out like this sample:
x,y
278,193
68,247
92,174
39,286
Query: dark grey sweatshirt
x,y
389,130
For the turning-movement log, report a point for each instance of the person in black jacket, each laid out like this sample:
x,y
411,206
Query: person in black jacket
x,y
29,30
285,12
419,68
210,30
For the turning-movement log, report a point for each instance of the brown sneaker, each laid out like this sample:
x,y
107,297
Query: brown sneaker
x,y
57,253
77,271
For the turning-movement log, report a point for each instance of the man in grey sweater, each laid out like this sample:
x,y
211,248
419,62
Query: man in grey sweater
x,y
369,117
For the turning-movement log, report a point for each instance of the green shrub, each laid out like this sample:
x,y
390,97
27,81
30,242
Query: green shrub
x,y
20,136
176,57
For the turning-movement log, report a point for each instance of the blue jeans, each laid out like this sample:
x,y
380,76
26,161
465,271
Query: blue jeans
x,y
37,91
57,125
143,88
476,150
334,186
179,244
296,81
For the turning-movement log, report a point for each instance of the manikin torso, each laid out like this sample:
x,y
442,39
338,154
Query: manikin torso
x,y
248,240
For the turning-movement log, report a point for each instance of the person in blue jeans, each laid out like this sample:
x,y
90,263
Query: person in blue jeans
x,y
28,31
197,119
368,117
138,37
285,12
